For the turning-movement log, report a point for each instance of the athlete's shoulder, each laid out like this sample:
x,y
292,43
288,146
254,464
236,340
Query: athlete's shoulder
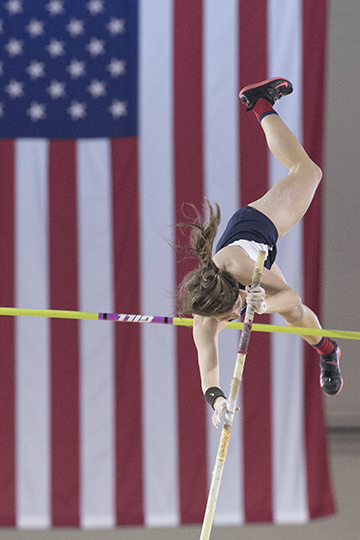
x,y
235,260
207,327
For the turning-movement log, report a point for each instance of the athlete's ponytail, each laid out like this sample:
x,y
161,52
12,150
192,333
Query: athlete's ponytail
x,y
208,290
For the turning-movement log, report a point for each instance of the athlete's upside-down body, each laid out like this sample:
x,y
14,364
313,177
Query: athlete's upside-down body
x,y
219,290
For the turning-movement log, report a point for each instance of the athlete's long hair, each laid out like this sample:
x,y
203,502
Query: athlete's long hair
x,y
207,290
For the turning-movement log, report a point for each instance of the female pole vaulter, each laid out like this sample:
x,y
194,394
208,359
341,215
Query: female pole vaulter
x,y
219,290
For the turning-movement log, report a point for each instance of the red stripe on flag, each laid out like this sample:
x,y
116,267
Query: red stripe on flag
x,y
254,171
188,136
64,335
320,497
254,167
7,337
129,460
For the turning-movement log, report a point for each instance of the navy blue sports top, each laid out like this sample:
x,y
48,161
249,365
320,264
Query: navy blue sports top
x,y
250,224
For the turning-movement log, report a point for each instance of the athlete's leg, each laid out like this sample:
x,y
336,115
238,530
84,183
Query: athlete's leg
x,y
302,316
287,201
329,352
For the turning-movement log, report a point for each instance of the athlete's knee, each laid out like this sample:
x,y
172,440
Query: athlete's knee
x,y
295,313
316,172
313,172
309,170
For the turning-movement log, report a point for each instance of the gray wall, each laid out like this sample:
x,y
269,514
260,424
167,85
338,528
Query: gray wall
x,y
341,285
341,292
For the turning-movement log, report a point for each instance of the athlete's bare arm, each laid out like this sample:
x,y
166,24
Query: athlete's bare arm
x,y
280,298
205,332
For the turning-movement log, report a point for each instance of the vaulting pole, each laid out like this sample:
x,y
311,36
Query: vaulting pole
x,y
231,406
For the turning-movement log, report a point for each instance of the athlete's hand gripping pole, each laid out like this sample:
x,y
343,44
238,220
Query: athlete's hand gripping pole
x,y
231,406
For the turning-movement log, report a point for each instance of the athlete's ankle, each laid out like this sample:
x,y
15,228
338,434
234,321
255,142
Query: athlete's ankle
x,y
324,347
262,108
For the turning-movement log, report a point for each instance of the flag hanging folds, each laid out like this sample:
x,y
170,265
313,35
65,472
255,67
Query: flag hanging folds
x,y
112,115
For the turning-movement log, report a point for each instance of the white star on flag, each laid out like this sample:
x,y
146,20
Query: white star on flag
x,y
36,111
14,47
77,110
75,27
117,67
116,26
55,7
15,89
56,89
55,48
118,108
95,47
96,88
76,69
1,110
36,69
14,7
65,65
95,6
35,28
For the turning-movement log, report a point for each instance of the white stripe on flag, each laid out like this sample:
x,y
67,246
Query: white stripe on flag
x,y
157,263
96,339
221,104
32,336
290,497
221,165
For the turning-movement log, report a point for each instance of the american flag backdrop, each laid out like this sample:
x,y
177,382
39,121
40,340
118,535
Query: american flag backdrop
x,y
113,113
